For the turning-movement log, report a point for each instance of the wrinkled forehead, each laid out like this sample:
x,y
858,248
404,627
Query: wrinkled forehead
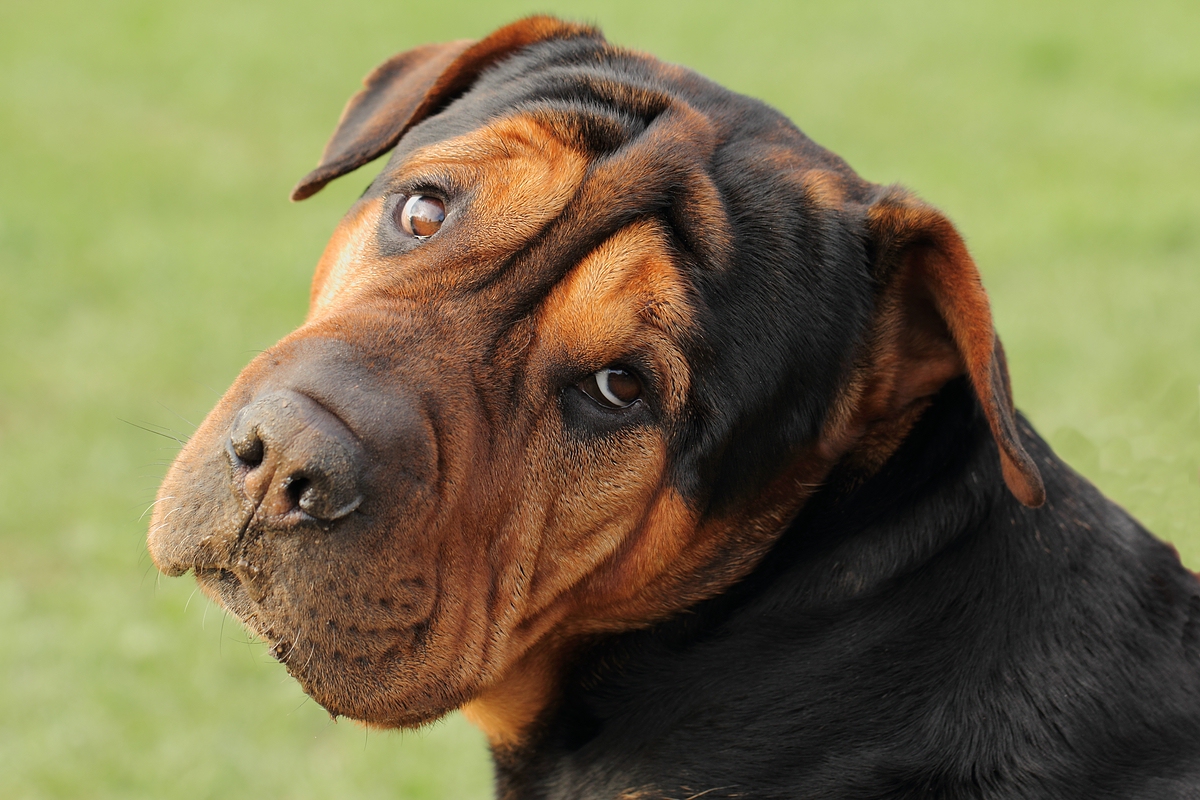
x,y
530,191
598,100
501,184
539,232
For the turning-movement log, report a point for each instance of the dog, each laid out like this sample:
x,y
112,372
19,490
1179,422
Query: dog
x,y
684,460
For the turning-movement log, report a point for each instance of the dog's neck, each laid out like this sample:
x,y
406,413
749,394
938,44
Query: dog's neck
x,y
842,544
838,549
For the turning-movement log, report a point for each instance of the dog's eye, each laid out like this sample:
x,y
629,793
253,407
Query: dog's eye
x,y
421,215
612,387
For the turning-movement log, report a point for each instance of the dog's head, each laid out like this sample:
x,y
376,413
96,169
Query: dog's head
x,y
571,364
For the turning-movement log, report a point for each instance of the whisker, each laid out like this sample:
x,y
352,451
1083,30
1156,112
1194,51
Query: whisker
x,y
189,602
161,427
151,430
185,419
153,504
302,704
312,651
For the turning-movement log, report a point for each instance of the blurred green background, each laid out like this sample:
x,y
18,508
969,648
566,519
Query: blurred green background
x,y
148,250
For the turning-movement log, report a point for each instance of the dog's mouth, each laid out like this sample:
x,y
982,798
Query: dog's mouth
x,y
353,666
226,588
229,590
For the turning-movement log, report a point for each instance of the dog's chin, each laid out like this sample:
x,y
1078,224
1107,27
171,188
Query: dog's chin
x,y
224,588
343,686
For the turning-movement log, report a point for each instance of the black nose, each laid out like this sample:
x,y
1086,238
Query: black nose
x,y
288,454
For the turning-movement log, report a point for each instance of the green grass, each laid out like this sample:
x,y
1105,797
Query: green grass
x,y
147,250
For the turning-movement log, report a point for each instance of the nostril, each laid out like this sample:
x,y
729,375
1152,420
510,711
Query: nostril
x,y
296,486
289,454
248,448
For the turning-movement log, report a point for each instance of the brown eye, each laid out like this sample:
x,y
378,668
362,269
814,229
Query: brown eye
x,y
421,216
612,387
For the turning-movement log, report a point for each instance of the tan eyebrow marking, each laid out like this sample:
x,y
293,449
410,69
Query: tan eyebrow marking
x,y
520,176
626,296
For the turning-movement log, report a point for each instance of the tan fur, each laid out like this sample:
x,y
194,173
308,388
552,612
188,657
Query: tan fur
x,y
523,177
626,297
824,189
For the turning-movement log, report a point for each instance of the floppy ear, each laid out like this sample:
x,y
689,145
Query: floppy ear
x,y
416,84
937,324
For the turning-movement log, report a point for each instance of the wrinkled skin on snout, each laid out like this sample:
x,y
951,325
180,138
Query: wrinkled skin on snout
x,y
423,498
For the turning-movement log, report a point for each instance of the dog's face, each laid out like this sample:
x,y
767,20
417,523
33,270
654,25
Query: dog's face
x,y
571,364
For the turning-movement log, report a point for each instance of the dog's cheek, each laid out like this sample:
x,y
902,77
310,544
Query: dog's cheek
x,y
606,528
642,582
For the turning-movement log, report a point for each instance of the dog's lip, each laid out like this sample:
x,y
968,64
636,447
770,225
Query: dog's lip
x,y
224,586
196,560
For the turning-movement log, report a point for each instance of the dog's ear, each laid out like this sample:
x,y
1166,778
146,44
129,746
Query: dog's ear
x,y
935,323
415,84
